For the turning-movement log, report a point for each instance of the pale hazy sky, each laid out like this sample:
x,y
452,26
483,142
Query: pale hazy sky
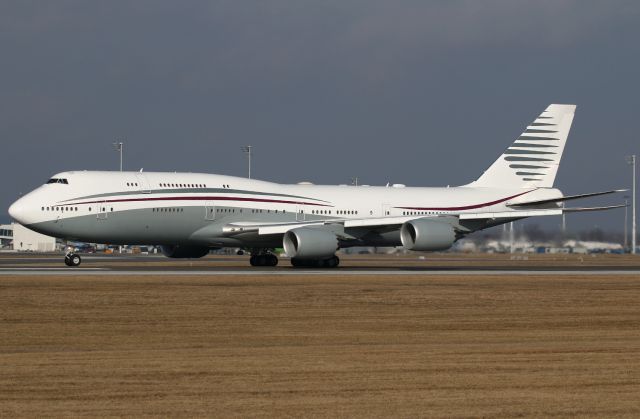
x,y
416,92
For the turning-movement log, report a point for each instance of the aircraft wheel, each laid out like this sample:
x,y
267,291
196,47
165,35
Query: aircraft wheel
x,y
333,262
72,260
263,260
272,260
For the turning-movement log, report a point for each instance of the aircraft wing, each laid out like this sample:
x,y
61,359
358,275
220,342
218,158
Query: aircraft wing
x,y
343,225
374,223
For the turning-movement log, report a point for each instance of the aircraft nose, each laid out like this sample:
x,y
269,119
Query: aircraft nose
x,y
17,210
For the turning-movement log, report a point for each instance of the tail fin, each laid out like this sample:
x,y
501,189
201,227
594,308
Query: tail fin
x,y
532,160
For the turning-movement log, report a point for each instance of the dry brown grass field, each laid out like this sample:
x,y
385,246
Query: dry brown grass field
x,y
354,346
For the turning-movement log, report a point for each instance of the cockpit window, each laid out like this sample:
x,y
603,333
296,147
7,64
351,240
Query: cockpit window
x,y
56,180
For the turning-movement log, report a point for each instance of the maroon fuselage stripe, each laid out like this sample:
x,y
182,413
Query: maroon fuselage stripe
x,y
278,201
199,198
466,207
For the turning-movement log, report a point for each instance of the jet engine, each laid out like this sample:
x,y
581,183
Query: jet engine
x,y
425,234
309,243
181,252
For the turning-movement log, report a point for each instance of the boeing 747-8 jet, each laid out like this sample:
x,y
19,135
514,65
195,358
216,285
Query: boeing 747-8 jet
x,y
190,213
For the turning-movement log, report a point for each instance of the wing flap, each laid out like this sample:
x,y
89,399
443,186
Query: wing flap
x,y
533,213
594,208
510,214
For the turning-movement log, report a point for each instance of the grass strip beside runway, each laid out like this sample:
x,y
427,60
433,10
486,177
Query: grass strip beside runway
x,y
320,345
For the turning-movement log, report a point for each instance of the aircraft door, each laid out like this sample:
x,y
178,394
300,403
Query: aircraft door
x,y
59,214
209,210
300,216
103,211
386,210
143,183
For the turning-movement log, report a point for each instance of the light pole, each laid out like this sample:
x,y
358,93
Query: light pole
x,y
512,233
247,149
119,146
632,161
626,222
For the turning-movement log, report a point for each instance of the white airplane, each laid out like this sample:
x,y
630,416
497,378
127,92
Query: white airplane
x,y
190,213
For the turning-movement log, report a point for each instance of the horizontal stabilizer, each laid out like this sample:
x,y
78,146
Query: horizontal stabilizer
x,y
565,198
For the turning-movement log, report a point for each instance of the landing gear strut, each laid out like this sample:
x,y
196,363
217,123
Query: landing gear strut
x,y
72,259
331,262
263,259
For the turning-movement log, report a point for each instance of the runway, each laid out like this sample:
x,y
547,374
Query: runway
x,y
351,265
305,272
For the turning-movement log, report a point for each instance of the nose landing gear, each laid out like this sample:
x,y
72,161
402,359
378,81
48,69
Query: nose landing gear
x,y
72,260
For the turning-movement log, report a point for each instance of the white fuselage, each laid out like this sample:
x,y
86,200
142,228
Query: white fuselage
x,y
166,208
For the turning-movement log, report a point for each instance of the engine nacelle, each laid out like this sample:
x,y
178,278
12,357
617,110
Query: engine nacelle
x,y
424,234
181,252
309,243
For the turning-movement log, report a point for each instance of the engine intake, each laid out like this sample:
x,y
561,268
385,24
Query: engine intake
x,y
425,234
309,243
182,252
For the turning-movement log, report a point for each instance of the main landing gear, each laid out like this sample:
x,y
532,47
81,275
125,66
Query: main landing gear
x,y
331,262
263,259
72,259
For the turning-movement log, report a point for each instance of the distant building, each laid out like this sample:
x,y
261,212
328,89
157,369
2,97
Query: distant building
x,y
28,240
6,236
581,246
